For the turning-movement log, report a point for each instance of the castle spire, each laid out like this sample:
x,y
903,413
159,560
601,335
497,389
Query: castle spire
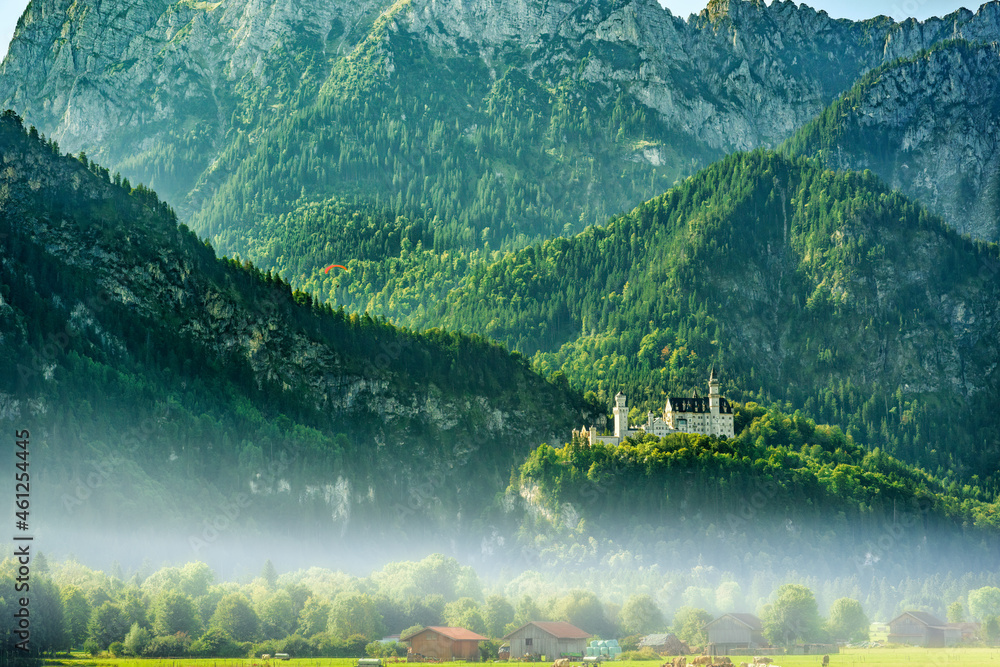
x,y
713,392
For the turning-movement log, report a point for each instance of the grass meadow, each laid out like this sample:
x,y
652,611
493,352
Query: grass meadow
x,y
875,657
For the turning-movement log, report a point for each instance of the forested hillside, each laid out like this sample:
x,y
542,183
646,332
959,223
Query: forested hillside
x,y
928,125
824,289
470,160
180,380
784,492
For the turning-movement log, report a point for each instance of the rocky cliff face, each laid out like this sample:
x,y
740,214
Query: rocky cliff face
x,y
159,90
929,126
135,82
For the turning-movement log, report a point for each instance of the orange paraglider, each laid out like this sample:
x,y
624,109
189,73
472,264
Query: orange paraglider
x,y
332,266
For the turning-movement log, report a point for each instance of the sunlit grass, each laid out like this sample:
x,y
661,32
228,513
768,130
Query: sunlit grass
x,y
878,657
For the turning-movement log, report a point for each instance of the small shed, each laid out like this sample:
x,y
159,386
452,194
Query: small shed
x,y
665,644
918,628
553,639
731,632
445,644
967,631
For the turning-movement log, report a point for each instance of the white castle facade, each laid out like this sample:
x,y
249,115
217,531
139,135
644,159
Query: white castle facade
x,y
708,416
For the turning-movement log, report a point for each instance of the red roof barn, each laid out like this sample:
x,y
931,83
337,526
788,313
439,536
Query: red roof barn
x,y
445,644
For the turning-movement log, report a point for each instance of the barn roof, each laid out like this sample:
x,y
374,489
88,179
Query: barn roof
x,y
929,620
657,639
457,634
748,620
653,640
558,629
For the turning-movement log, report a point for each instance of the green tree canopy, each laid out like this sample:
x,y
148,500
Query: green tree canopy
x,y
793,616
47,623
314,617
584,610
137,640
108,623
688,624
195,578
984,602
465,613
498,613
175,612
528,610
133,603
277,615
848,620
991,629
76,613
641,615
355,613
235,615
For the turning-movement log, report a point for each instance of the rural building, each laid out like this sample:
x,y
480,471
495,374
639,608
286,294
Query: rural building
x,y
918,628
734,632
969,631
445,644
553,639
681,414
667,644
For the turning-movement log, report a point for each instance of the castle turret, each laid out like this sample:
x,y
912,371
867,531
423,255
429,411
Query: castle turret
x,y
621,416
713,392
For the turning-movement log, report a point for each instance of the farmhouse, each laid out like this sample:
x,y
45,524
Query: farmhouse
x,y
445,644
681,414
553,639
732,632
919,628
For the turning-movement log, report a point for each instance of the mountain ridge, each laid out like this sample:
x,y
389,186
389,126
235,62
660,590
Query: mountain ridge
x,y
939,148
737,76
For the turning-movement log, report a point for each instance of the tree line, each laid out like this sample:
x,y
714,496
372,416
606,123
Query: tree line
x,y
178,611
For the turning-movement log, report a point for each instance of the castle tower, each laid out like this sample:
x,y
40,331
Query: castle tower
x,y
713,392
621,416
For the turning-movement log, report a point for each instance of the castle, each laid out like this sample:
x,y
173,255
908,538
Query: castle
x,y
708,416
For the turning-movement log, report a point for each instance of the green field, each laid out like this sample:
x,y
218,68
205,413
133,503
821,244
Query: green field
x,y
877,657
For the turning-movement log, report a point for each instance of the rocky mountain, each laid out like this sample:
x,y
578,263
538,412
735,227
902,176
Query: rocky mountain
x,y
155,89
930,126
130,351
211,103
